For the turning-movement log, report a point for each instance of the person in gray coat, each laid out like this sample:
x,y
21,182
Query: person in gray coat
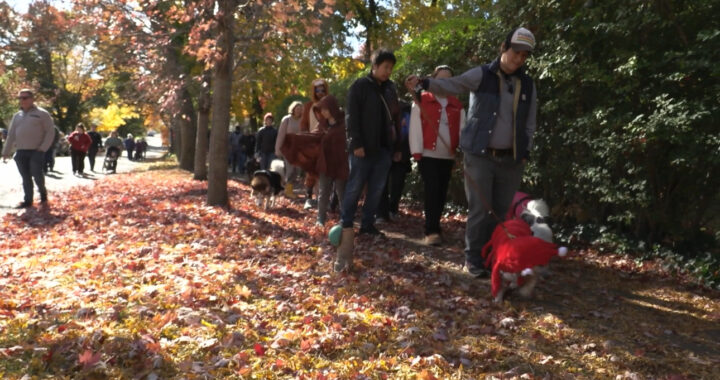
x,y
497,137
31,133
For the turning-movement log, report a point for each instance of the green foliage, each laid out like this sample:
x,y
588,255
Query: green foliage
x,y
461,43
628,128
627,131
134,126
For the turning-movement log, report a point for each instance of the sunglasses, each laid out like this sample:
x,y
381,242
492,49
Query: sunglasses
x,y
319,89
24,97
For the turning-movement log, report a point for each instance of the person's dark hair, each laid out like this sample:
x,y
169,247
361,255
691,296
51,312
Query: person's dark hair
x,y
440,68
383,55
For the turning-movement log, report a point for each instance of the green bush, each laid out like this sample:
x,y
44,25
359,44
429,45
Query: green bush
x,y
628,125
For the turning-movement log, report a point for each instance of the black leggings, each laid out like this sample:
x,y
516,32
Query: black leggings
x,y
436,174
78,160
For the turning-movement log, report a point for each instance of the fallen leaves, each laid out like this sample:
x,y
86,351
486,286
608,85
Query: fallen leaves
x,y
142,279
89,359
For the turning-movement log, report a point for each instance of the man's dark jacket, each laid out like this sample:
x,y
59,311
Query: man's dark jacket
x,y
367,122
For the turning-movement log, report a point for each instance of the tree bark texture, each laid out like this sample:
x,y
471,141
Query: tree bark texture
x,y
222,86
201,141
188,129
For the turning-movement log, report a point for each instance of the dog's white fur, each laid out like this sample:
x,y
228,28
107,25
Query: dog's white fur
x,y
262,190
534,214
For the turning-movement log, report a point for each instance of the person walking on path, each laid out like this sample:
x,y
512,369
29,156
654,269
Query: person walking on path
x,y
31,133
389,206
94,146
113,149
372,124
248,147
290,124
236,149
332,163
310,122
435,123
129,146
140,148
265,142
79,145
497,138
50,153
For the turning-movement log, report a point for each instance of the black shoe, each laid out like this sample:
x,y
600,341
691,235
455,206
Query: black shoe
x,y
371,230
43,198
476,271
23,205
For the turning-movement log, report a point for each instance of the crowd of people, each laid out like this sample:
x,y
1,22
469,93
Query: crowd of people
x,y
365,149
36,140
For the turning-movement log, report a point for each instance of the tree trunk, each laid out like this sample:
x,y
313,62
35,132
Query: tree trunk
x,y
222,86
188,129
201,142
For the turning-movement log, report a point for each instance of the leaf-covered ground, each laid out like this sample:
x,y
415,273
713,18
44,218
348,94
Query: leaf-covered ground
x,y
136,278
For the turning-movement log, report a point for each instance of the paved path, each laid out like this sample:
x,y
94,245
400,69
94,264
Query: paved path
x,y
62,178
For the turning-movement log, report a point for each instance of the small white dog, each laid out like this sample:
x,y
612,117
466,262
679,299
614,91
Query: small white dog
x,y
537,216
516,257
535,212
266,184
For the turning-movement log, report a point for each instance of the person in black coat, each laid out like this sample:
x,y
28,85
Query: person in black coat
x,y
372,122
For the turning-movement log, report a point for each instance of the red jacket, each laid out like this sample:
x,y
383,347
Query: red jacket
x,y
80,141
430,117
333,159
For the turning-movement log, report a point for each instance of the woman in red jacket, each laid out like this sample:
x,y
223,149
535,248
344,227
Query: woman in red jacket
x,y
434,136
332,163
79,144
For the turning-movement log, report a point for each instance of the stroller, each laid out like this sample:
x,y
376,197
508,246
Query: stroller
x,y
111,157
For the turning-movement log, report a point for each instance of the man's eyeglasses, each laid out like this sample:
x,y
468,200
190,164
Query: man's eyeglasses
x,y
320,89
24,97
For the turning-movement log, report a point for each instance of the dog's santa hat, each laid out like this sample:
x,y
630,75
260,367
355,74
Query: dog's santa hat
x,y
520,255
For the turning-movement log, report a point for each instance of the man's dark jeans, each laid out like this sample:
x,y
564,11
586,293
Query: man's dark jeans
x,y
490,182
390,199
372,170
50,160
92,152
30,165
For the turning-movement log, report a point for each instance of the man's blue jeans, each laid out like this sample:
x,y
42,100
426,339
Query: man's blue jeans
x,y
372,170
30,165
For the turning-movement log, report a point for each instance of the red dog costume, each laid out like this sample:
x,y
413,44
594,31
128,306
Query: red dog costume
x,y
502,233
513,249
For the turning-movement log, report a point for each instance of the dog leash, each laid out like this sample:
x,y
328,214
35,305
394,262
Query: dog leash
x,y
417,100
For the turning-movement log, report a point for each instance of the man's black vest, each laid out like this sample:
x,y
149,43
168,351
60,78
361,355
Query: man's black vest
x,y
482,116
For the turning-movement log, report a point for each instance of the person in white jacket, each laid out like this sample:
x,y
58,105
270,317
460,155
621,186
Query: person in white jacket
x,y
435,123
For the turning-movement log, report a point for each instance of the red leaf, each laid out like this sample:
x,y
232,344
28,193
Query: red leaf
x,y
259,349
88,359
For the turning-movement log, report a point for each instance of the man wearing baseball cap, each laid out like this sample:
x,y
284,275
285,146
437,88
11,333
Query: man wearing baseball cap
x,y
497,136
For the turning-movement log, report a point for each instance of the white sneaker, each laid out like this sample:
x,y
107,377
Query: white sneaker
x,y
308,204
